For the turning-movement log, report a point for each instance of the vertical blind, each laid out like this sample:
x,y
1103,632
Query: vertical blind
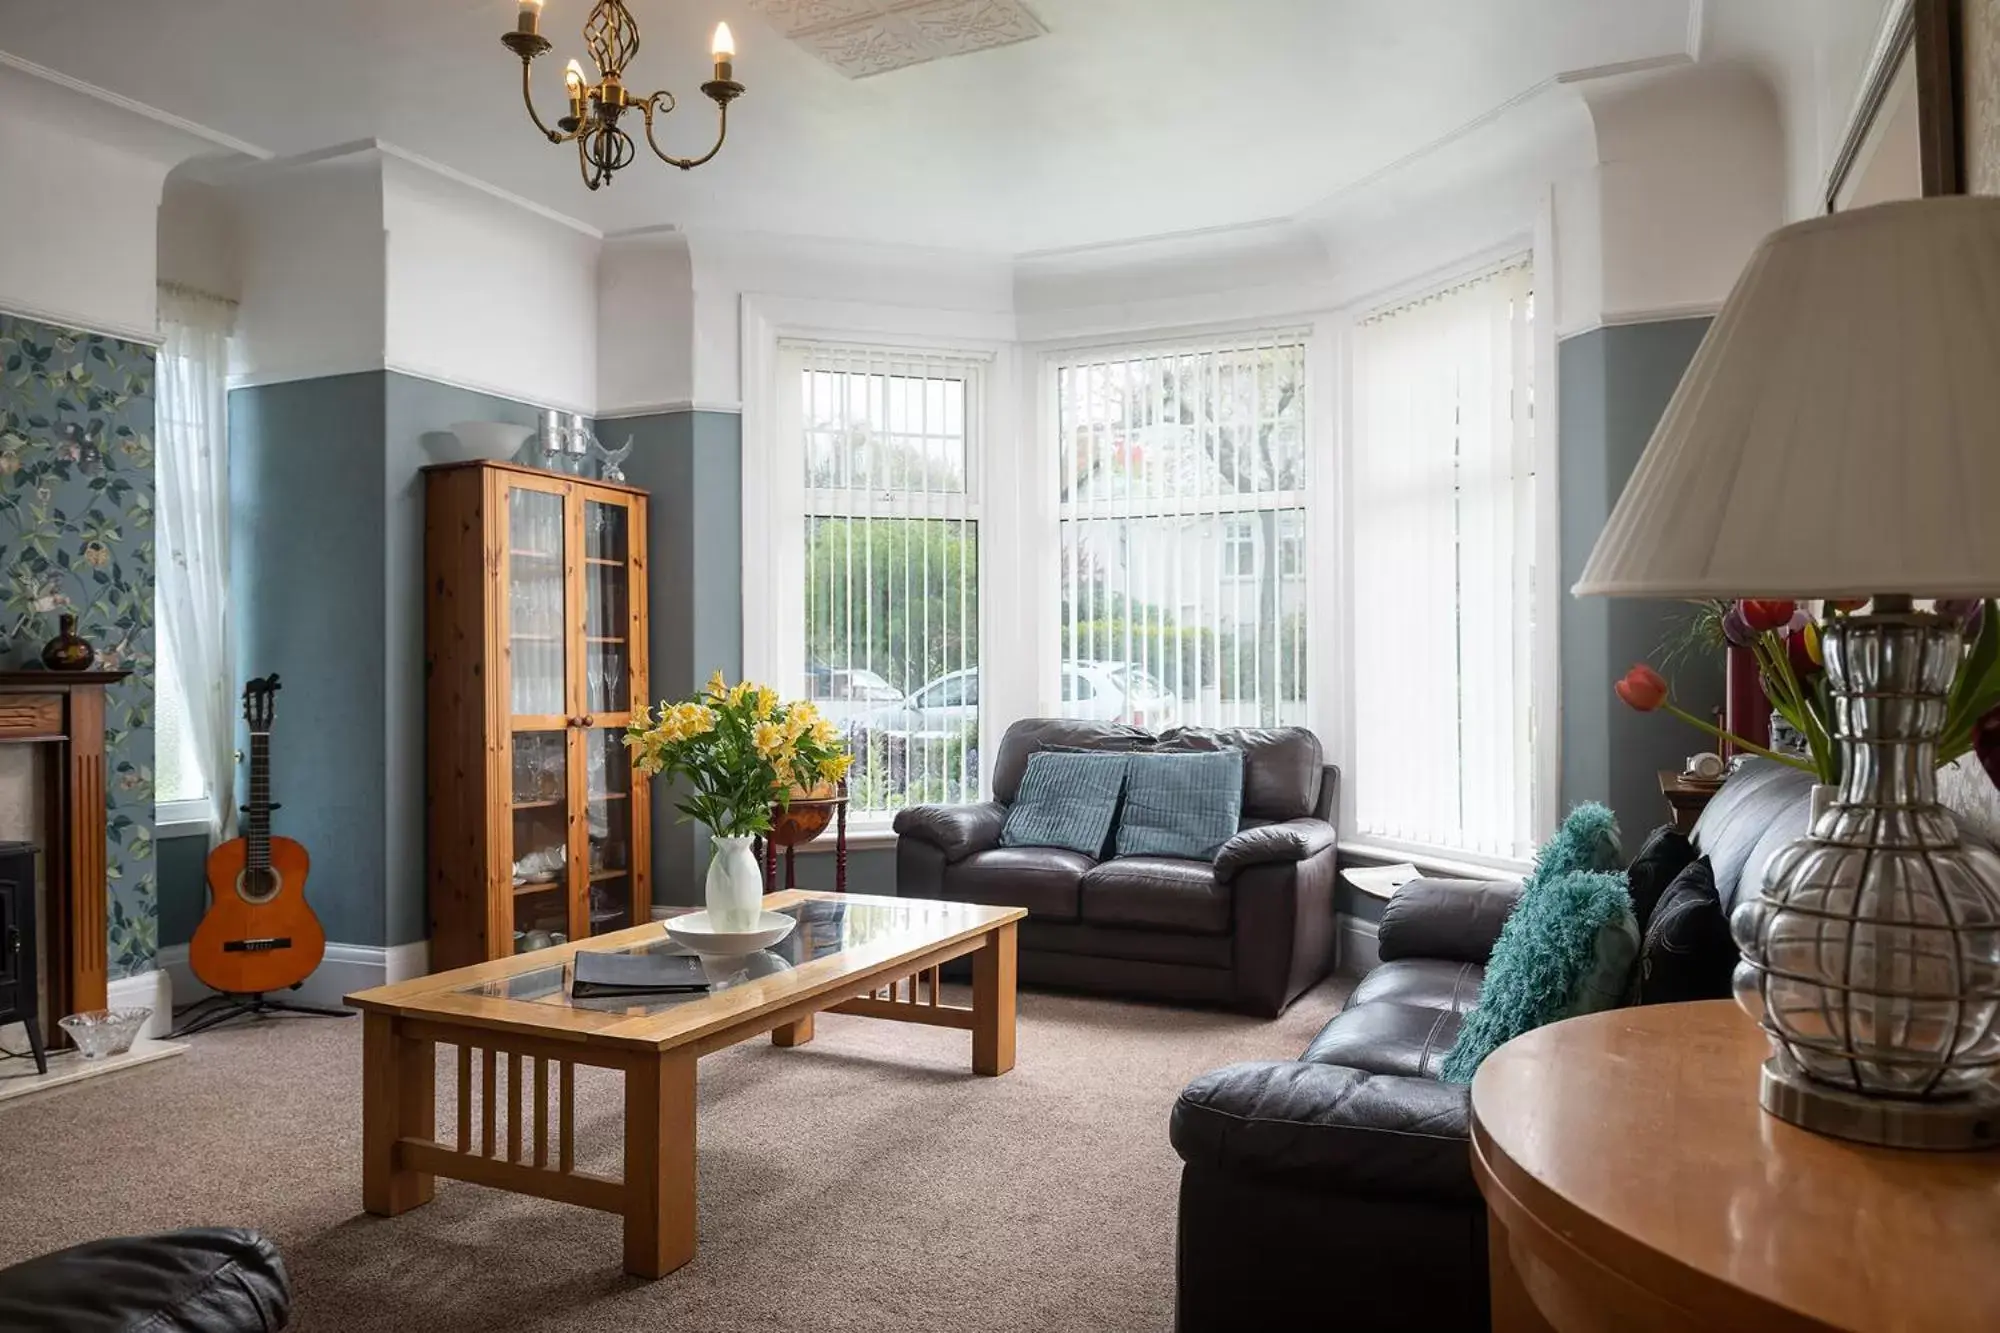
x,y
1444,554
888,441
1182,514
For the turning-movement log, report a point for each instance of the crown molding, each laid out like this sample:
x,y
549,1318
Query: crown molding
x,y
166,119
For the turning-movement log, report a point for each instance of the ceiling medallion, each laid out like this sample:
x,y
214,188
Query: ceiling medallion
x,y
612,36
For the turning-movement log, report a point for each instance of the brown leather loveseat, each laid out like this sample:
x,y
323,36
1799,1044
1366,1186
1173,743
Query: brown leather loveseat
x,y
1252,929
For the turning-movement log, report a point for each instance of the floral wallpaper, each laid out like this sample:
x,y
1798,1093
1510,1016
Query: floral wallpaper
x,y
76,535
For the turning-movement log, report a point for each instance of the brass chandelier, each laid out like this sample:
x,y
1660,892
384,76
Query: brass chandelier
x,y
612,35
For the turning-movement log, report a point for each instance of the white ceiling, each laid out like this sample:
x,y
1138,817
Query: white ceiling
x,y
1130,118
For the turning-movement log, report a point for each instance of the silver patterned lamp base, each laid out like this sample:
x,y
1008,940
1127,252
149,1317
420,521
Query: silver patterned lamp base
x,y
1872,955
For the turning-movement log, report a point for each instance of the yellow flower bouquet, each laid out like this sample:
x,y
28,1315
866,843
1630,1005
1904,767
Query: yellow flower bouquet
x,y
741,749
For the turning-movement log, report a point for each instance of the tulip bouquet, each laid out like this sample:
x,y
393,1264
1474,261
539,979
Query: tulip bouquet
x,y
741,749
1784,638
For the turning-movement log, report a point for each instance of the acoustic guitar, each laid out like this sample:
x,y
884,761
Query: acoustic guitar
x,y
259,934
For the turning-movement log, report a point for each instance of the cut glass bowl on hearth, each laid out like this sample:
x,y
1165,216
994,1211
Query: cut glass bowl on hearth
x,y
101,1032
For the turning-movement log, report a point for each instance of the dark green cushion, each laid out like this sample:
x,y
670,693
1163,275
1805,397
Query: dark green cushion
x,y
1066,800
1567,949
1183,805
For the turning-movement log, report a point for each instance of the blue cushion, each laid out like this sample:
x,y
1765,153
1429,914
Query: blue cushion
x,y
1066,800
1567,949
1184,805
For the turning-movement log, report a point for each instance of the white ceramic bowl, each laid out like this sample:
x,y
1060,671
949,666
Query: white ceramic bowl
x,y
471,441
693,931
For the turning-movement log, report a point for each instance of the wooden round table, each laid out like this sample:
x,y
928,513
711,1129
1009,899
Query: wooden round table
x,y
1633,1184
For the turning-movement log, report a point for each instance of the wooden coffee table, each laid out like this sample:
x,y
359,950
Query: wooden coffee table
x,y
851,954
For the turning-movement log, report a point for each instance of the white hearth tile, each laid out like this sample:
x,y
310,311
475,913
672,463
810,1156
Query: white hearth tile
x,y
19,1079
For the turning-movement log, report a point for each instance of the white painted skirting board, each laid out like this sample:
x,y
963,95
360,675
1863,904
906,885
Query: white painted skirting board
x,y
345,969
155,990
1358,949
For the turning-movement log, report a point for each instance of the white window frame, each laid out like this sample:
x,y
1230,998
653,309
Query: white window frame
x,y
775,492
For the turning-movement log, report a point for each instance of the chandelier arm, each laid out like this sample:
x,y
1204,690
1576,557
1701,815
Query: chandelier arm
x,y
684,163
528,97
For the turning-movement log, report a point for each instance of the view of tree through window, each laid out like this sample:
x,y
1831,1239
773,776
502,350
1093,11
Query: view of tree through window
x,y
892,569
1182,475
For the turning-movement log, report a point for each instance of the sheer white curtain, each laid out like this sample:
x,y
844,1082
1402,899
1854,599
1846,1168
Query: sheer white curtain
x,y
193,506
1443,516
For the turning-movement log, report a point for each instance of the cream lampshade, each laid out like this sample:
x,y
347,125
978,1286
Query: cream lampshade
x,y
1838,435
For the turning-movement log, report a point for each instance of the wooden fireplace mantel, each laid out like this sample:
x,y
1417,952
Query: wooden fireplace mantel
x,y
65,710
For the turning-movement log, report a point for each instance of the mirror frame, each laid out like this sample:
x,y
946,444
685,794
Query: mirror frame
x,y
1925,32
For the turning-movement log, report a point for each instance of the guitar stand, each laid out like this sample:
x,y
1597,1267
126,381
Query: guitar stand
x,y
239,1006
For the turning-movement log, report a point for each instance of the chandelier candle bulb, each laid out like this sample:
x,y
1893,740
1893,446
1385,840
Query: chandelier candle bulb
x,y
530,19
724,50
573,79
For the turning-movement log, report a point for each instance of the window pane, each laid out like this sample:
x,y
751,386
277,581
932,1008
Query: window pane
x,y
1443,475
892,568
1182,478
176,772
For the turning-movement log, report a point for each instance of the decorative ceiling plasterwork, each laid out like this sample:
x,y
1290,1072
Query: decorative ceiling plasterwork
x,y
864,37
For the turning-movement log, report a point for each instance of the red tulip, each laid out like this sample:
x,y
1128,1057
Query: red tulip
x,y
1767,615
1847,606
1642,688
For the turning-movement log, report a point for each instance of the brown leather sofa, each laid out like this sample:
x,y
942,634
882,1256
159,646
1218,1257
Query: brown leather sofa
x,y
1336,1190
1253,929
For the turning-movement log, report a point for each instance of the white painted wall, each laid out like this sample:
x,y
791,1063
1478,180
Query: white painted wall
x,y
83,189
729,266
198,243
484,293
312,271
1812,54
645,324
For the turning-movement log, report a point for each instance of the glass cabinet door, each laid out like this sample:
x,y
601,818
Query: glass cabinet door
x,y
541,824
609,853
537,606
607,611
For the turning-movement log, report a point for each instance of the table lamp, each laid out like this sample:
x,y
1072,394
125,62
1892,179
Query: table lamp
x,y
1838,436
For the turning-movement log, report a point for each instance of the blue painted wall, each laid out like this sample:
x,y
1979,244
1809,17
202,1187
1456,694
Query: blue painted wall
x,y
76,535
1614,384
327,503
691,463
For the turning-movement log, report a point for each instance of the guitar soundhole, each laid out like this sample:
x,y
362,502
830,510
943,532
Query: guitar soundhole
x,y
259,886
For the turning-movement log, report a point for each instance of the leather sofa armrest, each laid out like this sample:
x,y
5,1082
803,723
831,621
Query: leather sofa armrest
x,y
1292,840
1327,808
956,830
1457,919
220,1278
1329,1128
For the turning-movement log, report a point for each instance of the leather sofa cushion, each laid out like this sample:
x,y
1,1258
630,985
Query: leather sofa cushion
x,y
1032,735
1042,879
1157,893
211,1279
1344,1131
1427,983
1387,1038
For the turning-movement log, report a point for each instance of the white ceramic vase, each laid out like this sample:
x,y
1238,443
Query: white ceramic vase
x,y
735,889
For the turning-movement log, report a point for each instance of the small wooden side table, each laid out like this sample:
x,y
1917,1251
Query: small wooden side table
x,y
1685,800
1632,1184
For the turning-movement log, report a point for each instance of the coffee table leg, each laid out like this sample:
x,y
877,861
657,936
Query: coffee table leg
x,y
993,1003
793,1034
659,1163
398,1100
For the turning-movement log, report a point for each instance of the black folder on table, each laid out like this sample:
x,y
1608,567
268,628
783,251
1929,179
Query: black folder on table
x,y
598,974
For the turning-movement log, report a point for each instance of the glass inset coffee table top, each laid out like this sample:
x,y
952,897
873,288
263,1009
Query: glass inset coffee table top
x,y
827,927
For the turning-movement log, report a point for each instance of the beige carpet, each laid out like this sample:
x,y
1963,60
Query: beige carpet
x,y
867,1181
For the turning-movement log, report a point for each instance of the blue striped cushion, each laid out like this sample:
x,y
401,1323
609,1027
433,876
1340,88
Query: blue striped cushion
x,y
1066,800
1184,805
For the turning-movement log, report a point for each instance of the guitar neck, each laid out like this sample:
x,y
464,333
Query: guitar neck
x,y
257,824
